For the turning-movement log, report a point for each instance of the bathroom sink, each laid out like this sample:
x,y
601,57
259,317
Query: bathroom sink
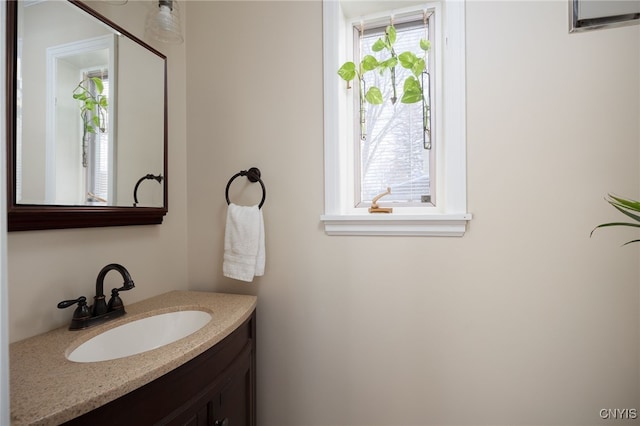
x,y
140,336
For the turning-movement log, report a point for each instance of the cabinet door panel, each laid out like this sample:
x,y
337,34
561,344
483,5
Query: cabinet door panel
x,y
196,416
235,397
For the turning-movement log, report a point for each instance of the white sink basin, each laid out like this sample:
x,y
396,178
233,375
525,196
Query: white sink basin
x,y
140,336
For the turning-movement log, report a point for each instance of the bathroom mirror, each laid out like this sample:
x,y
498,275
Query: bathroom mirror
x,y
87,120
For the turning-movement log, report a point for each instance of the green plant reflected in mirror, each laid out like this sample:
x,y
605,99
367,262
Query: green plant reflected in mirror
x,y
93,106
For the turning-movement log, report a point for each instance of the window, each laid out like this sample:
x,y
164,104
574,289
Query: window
x,y
394,148
97,149
416,149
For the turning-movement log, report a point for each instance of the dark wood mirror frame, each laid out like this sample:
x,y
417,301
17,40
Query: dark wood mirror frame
x,y
23,217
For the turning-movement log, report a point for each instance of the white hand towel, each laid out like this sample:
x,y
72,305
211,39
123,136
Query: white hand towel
x,y
244,249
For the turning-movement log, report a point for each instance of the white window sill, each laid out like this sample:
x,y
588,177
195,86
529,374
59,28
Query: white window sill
x,y
432,225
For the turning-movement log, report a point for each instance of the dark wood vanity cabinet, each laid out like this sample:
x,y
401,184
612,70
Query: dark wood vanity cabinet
x,y
217,388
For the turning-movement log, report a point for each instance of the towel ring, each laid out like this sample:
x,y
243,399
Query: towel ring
x,y
135,189
253,174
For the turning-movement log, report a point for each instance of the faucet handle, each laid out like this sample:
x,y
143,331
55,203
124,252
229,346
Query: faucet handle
x,y
82,311
115,303
66,303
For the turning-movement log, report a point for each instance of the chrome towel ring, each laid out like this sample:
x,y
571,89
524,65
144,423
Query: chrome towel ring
x,y
253,174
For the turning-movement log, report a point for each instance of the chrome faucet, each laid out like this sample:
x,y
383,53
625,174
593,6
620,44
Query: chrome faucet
x,y
86,316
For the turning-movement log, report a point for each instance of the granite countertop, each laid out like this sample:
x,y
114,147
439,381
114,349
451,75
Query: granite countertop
x,y
48,389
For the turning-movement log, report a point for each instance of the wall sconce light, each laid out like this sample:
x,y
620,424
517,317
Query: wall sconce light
x,y
163,22
135,189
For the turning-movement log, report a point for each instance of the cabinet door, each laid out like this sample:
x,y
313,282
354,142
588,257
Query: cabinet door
x,y
199,415
200,418
234,404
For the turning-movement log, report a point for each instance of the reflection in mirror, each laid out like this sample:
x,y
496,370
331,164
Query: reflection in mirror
x,y
89,101
89,124
79,134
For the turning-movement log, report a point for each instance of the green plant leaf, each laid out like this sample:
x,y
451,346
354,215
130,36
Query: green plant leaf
x,y
347,71
626,202
418,67
633,225
369,63
626,206
391,35
98,82
628,213
412,84
407,59
604,225
412,91
80,96
389,63
379,45
90,128
411,97
425,44
374,96
96,120
104,102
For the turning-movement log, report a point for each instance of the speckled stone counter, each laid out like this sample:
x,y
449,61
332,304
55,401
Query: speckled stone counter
x,y
48,389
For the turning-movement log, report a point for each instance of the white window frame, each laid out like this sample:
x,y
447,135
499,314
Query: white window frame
x,y
449,217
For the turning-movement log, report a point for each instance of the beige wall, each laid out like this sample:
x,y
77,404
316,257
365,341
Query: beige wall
x,y
138,121
48,266
524,320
